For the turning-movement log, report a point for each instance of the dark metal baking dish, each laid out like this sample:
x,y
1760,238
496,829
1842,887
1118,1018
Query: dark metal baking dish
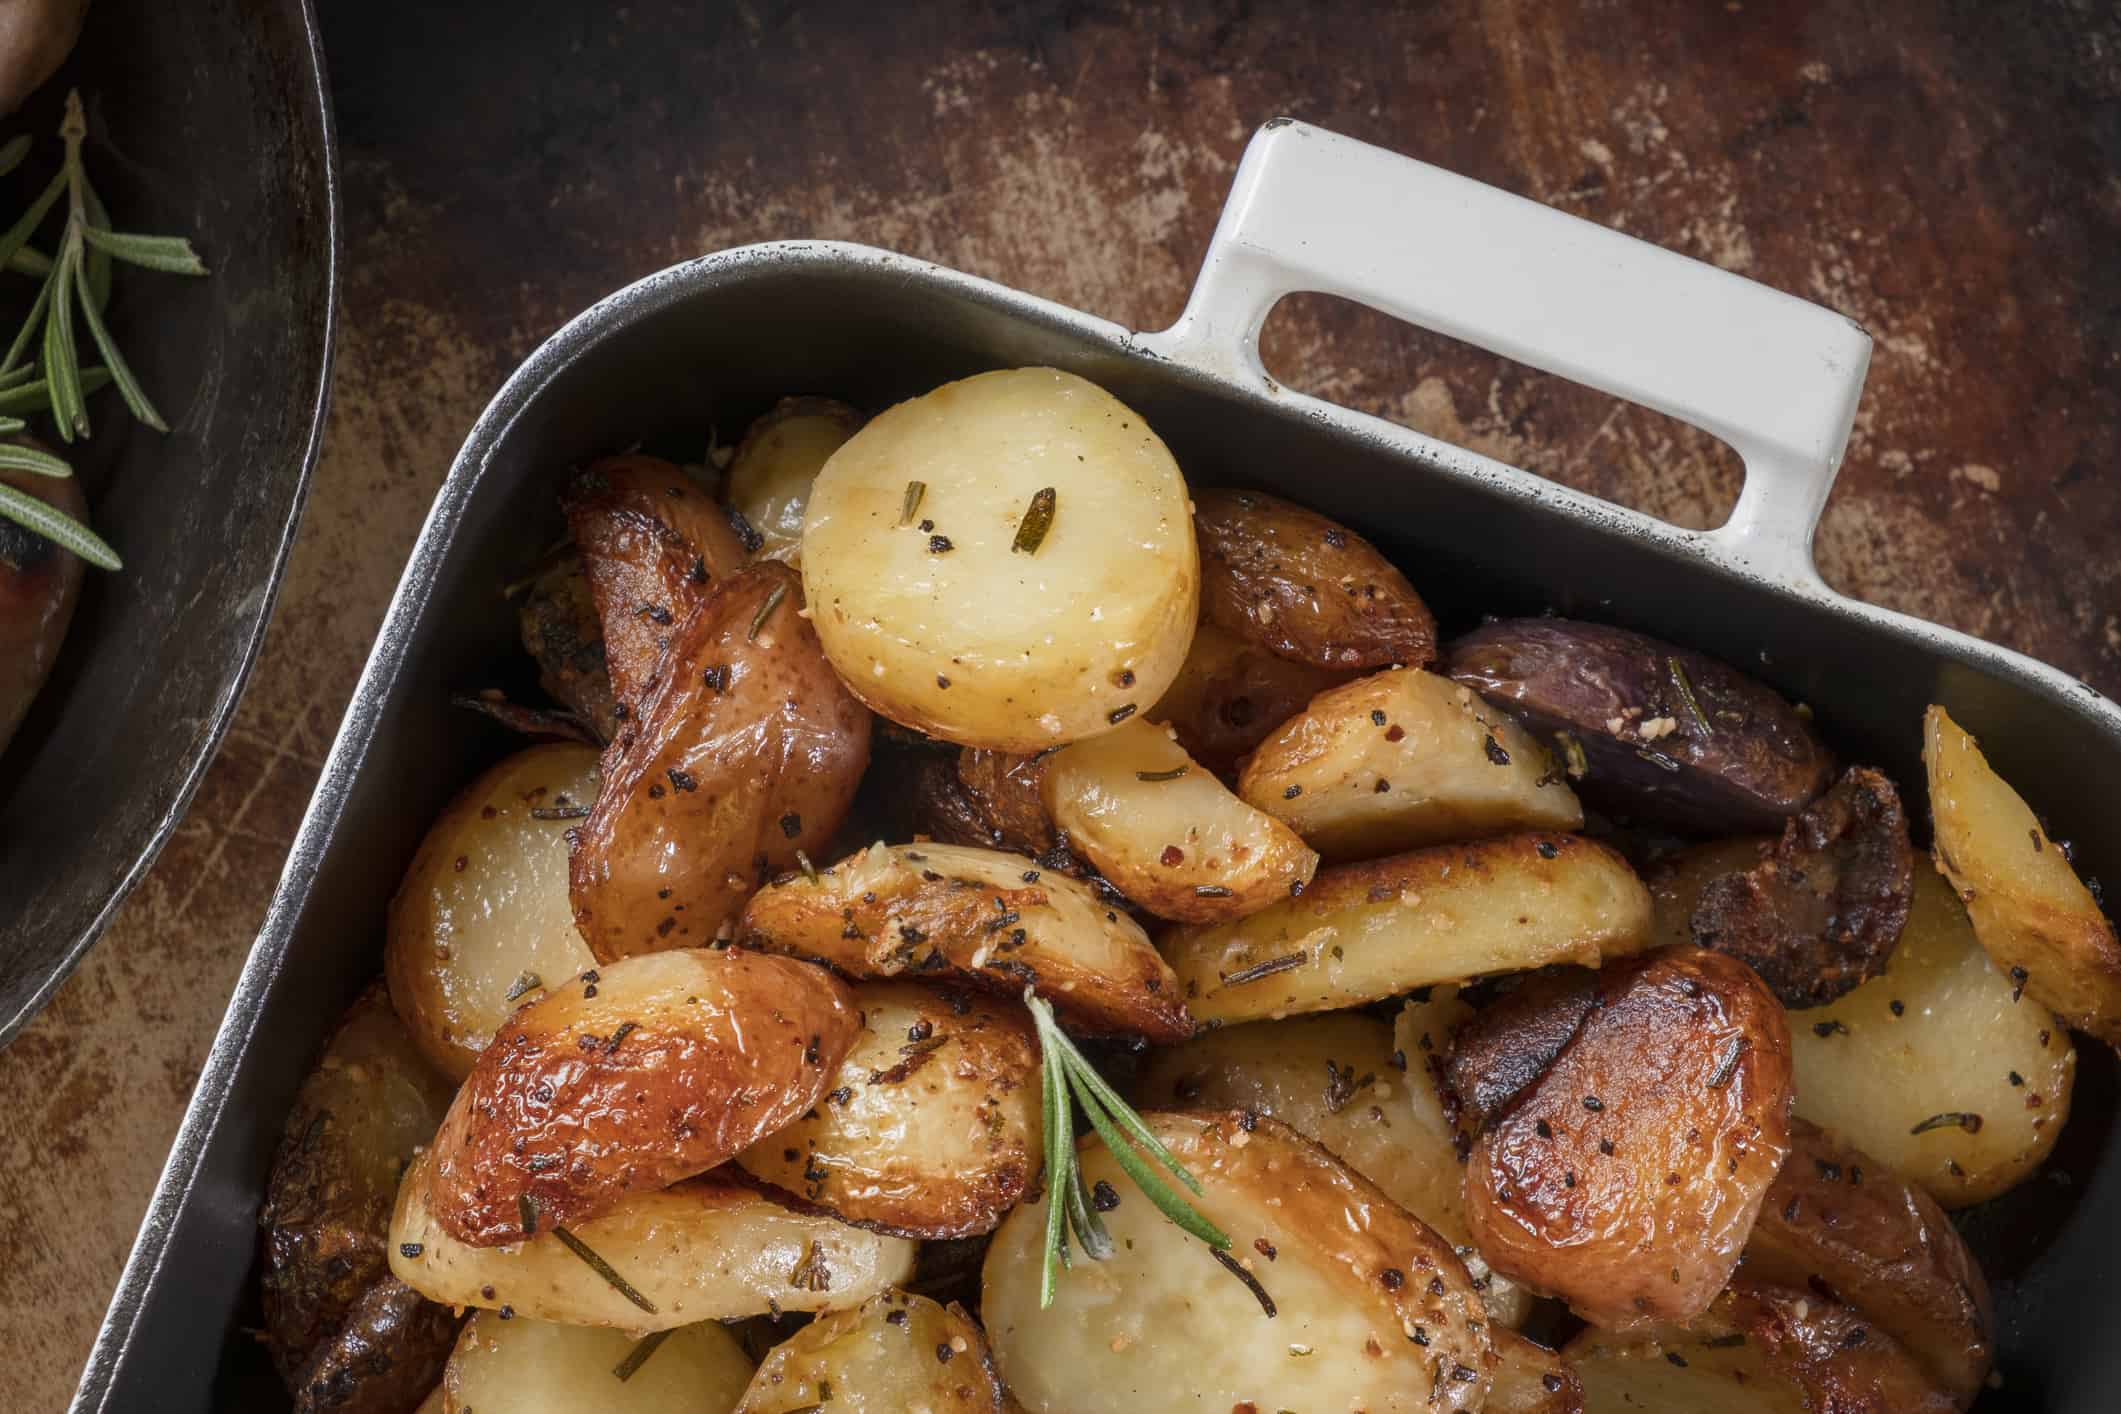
x,y
712,342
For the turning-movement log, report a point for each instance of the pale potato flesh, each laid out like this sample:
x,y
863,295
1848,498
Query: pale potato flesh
x,y
1400,759
939,623
1168,834
482,922
1940,1032
895,1354
781,454
521,1366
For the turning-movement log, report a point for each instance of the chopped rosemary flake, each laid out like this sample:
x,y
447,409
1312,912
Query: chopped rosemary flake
x,y
802,861
602,1268
1727,1065
524,982
1038,519
559,812
1686,695
911,506
1950,1119
1171,775
1265,969
638,1356
527,1210
773,601
1266,1302
1211,891
1577,764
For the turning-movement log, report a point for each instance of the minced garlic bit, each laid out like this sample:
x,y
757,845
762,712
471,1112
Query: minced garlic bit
x,y
1658,727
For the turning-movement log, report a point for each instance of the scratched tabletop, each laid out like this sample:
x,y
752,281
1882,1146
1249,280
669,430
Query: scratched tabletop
x,y
1947,174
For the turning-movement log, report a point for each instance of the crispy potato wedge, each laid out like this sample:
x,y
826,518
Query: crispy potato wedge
x,y
940,911
482,920
2029,908
931,1127
558,624
1621,1168
1305,587
343,1333
933,615
1165,832
894,1354
522,1366
655,1069
1364,932
1402,759
1369,1308
707,1249
1531,1379
1230,695
1942,1033
746,755
781,454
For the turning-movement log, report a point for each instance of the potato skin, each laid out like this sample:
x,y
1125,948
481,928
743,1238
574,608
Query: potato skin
x,y
894,1353
1614,694
1230,695
1305,587
780,456
631,1078
384,1356
560,630
747,750
1007,789
1531,1379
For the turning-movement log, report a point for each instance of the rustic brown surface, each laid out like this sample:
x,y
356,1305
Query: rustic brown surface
x,y
1944,174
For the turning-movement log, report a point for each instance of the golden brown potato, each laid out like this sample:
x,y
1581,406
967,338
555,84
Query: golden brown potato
x,y
2028,906
344,1334
1531,1379
1401,759
1230,695
522,1366
895,1354
1332,1297
938,911
707,1249
934,615
560,630
1937,1068
1364,932
781,454
1165,832
654,1069
746,755
482,920
1305,587
1631,1122
931,1127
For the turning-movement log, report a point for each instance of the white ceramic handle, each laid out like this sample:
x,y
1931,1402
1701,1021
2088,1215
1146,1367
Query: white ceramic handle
x,y
1775,377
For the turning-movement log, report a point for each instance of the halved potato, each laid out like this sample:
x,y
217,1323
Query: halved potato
x,y
1936,1068
1168,834
654,1069
1364,932
895,1354
482,920
939,911
707,1249
1332,1296
781,454
934,615
1531,1379
2029,908
1230,695
1401,759
931,1127
522,1366
559,628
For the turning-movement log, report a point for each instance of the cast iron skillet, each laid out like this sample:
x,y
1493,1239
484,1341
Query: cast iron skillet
x,y
208,118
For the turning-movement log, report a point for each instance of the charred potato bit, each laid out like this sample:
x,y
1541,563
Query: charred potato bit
x,y
1531,1379
1231,695
1007,789
522,1366
781,454
895,1353
561,632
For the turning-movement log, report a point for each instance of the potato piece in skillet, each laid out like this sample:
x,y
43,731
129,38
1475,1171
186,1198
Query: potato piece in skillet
x,y
560,630
521,1366
629,1079
2029,908
1645,729
39,585
781,454
1333,1296
1006,562
894,1354
1939,1068
1402,759
343,1332
930,1128
1364,932
707,1249
1007,787
1631,1122
746,753
1230,696
939,911
1531,1379
1305,587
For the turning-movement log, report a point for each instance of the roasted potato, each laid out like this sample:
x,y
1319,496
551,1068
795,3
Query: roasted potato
x,y
1938,1068
781,454
894,1354
521,1366
931,1127
1364,932
1648,730
1631,1122
39,585
1170,836
1402,759
746,755
1007,789
938,911
560,630
944,604
1305,587
1530,1379
482,920
1332,1296
707,1249
1677,881
1230,695
35,38
2029,908
343,1333
628,1079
